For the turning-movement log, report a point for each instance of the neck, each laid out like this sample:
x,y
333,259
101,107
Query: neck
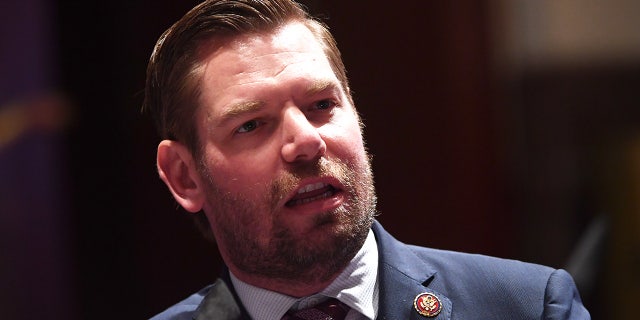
x,y
293,288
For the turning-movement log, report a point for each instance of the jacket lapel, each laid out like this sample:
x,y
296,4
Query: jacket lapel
x,y
403,276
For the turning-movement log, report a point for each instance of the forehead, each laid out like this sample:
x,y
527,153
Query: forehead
x,y
234,66
287,44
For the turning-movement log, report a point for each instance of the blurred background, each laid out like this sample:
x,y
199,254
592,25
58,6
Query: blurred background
x,y
508,128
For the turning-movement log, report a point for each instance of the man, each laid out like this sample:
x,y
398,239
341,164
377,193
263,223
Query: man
x,y
262,137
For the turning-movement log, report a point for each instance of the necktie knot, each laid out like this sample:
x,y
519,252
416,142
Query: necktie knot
x,y
331,309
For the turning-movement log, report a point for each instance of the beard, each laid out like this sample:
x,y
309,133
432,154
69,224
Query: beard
x,y
287,255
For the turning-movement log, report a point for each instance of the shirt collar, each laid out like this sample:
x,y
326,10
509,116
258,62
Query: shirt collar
x,y
356,286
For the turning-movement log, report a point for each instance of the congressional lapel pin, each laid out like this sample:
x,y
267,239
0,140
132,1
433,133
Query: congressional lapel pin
x,y
427,304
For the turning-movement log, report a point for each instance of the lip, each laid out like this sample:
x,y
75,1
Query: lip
x,y
324,194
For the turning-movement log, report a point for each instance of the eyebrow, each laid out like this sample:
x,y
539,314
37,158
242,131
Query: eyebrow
x,y
320,86
239,109
246,107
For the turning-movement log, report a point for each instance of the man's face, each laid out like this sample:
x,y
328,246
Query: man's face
x,y
289,187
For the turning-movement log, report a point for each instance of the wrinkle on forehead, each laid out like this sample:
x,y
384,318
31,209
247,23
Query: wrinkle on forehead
x,y
260,58
280,40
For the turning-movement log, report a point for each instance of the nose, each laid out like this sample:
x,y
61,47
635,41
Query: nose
x,y
301,139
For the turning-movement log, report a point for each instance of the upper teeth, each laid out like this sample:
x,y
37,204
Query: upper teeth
x,y
311,187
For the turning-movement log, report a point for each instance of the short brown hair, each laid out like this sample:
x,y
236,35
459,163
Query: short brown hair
x,y
173,77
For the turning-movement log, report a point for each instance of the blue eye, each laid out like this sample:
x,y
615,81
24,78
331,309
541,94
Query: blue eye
x,y
248,126
325,104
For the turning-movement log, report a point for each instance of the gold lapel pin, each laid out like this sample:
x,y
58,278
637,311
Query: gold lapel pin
x,y
427,304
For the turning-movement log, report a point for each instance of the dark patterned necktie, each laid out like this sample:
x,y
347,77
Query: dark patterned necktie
x,y
331,309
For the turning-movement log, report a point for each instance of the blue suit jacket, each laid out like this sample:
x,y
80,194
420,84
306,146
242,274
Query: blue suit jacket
x,y
469,287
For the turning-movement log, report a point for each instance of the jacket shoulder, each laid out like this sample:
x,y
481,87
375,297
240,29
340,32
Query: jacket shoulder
x,y
485,275
475,286
460,262
512,287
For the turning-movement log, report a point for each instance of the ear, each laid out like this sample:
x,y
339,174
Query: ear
x,y
177,169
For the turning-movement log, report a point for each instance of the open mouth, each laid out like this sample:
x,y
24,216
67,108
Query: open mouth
x,y
312,192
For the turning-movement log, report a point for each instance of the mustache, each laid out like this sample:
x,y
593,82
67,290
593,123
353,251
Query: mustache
x,y
290,179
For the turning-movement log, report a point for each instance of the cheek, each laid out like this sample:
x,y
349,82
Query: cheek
x,y
355,148
242,174
345,141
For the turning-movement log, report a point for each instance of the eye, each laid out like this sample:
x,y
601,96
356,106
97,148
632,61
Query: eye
x,y
248,126
324,104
